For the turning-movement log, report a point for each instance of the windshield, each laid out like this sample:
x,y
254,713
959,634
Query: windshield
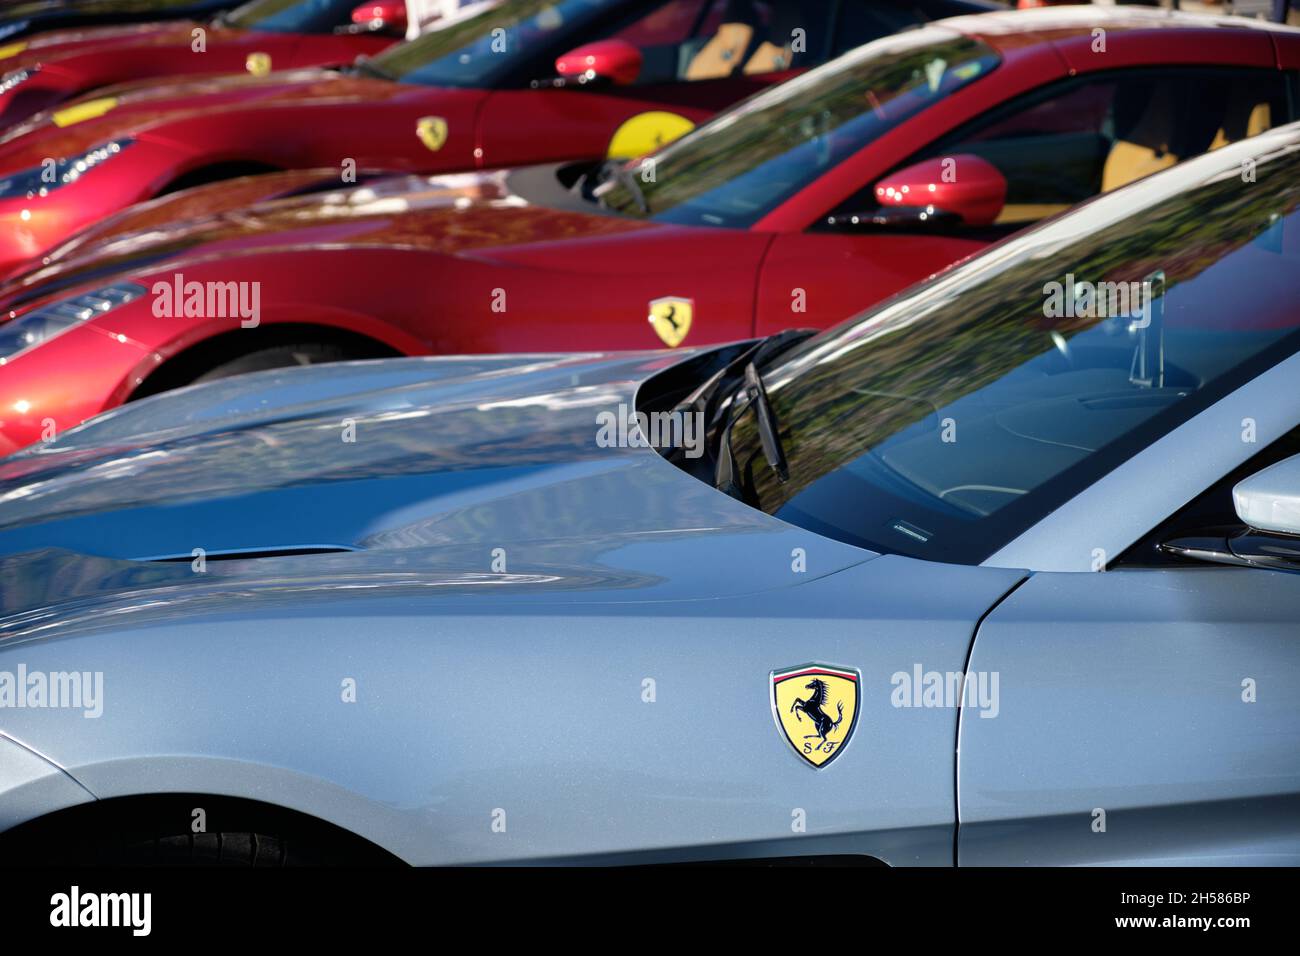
x,y
291,16
735,169
102,6
476,51
945,423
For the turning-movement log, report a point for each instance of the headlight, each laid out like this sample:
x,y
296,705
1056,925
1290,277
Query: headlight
x,y
40,180
41,325
13,78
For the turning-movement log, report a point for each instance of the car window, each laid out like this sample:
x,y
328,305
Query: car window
x,y
696,40
291,16
671,38
945,423
498,42
737,167
859,23
1091,135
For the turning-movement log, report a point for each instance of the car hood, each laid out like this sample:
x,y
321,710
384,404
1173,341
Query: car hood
x,y
464,214
52,44
143,105
25,18
468,476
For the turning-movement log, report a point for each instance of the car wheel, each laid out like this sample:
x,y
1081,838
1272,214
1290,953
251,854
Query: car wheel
x,y
212,849
277,356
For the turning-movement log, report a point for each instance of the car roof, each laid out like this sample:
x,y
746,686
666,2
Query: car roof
x,y
1064,27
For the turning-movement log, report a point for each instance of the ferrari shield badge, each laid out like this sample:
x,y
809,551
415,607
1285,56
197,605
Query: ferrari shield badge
x,y
671,318
432,131
816,709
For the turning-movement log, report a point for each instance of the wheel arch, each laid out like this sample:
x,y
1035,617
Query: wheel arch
x,y
72,833
201,355
209,171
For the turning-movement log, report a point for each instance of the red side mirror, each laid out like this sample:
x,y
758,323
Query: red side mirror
x,y
382,14
615,60
964,185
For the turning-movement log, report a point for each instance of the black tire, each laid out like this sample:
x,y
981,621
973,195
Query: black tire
x,y
210,849
277,356
156,831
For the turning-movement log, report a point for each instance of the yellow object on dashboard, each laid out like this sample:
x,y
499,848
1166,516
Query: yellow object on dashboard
x,y
646,132
84,111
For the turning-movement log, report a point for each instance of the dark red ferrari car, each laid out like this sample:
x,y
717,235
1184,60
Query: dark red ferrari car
x,y
527,81
259,36
798,208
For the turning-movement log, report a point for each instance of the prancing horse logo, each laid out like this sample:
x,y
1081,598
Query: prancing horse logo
x,y
670,317
432,132
802,698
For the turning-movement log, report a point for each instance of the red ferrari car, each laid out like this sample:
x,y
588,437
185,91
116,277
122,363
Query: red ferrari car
x,y
800,207
484,92
260,36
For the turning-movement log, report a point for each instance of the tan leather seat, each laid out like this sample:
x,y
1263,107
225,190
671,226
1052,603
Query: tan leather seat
x,y
1243,119
769,58
721,55
1147,147
1022,212
735,42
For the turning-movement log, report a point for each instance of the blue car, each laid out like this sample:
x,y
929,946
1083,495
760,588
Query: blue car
x,y
1000,572
22,18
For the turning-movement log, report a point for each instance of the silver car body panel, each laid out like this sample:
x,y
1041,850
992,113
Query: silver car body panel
x,y
232,681
1169,698
30,785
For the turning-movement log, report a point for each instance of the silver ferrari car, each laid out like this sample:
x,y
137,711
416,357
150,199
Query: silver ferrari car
x,y
1003,571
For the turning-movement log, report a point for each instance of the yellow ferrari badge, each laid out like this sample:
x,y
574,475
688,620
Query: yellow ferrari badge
x,y
259,64
13,49
671,318
432,131
816,709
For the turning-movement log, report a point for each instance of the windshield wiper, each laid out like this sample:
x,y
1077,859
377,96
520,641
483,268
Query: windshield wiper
x,y
724,478
628,180
366,66
614,171
708,392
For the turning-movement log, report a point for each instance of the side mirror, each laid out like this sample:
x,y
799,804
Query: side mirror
x,y
617,61
386,15
1269,500
1268,504
963,189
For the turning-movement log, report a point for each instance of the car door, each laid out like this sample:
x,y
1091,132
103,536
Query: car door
x,y
1055,147
1148,713
317,49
